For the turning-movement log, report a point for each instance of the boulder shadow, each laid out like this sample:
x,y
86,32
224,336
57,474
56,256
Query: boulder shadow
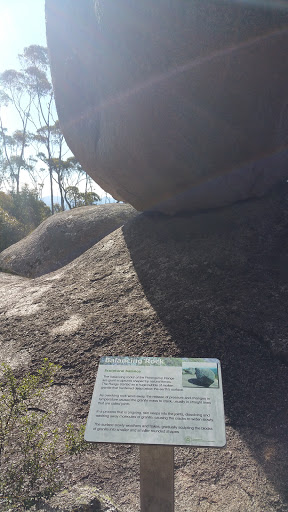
x,y
215,281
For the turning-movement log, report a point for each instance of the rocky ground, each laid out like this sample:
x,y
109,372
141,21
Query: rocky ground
x,y
212,284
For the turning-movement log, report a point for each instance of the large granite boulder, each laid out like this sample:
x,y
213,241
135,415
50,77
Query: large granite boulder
x,y
212,284
62,238
159,98
205,377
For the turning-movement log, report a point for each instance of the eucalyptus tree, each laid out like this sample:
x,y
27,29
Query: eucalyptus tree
x,y
36,64
30,93
52,151
16,91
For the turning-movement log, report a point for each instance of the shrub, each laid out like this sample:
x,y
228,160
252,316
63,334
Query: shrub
x,y
28,209
11,230
19,215
29,451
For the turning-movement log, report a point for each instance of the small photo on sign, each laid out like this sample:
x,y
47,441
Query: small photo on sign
x,y
200,375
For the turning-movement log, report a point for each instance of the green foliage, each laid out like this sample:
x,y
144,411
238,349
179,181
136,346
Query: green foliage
x,y
29,451
57,208
19,215
6,202
11,230
29,93
75,443
28,209
75,198
35,55
28,459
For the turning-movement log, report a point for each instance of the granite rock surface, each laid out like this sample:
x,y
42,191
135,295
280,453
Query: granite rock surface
x,y
212,284
63,237
177,105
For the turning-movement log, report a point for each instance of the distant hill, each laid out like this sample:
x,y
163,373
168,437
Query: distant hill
x,y
57,199
47,200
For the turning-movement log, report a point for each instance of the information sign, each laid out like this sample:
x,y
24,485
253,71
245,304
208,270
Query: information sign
x,y
157,400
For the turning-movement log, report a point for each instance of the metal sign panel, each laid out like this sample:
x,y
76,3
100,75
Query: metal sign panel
x,y
157,400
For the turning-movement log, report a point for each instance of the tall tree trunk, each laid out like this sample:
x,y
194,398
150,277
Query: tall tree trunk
x,y
18,182
51,190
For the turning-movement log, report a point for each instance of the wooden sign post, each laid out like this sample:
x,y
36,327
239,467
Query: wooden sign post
x,y
158,403
156,478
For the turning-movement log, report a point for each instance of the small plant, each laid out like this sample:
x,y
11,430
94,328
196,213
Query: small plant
x,y
75,442
29,451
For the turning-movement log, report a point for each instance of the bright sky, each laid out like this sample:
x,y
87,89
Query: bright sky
x,y
22,23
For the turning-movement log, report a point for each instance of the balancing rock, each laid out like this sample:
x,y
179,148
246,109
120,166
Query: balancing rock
x,y
173,105
205,377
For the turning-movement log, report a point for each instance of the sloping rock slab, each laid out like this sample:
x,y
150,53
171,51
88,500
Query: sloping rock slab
x,y
213,284
62,238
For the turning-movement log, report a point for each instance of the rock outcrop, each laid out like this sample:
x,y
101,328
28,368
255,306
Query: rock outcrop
x,y
158,98
62,238
213,284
